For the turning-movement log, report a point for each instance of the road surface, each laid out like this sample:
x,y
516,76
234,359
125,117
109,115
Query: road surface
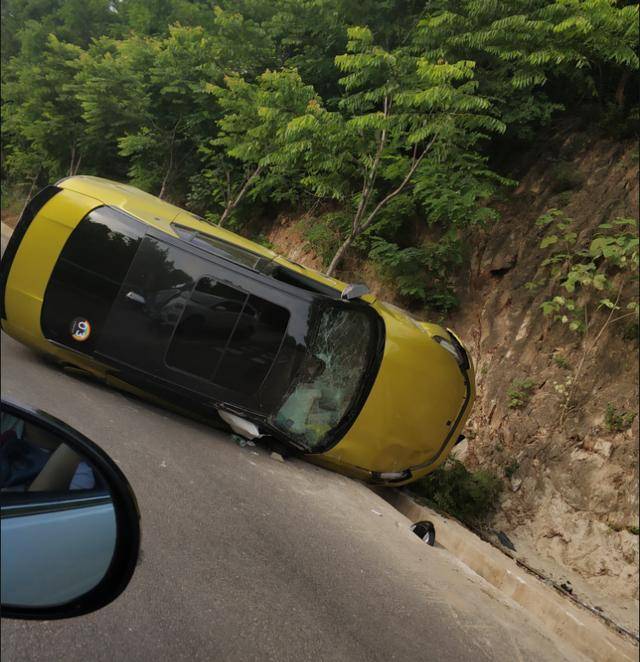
x,y
247,558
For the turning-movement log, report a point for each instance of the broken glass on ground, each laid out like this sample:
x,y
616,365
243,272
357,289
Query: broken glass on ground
x,y
241,441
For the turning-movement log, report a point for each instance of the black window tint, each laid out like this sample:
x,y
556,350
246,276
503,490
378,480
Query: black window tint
x,y
88,275
207,321
253,346
227,336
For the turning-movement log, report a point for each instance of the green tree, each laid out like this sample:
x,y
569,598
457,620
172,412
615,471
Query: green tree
x,y
113,91
399,108
162,149
533,56
253,146
41,117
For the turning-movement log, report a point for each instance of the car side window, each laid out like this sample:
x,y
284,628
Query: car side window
x,y
207,321
87,277
227,336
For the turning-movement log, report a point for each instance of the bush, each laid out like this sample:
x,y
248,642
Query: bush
x,y
617,421
469,496
519,393
421,274
323,234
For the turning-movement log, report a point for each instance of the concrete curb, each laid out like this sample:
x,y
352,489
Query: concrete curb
x,y
574,625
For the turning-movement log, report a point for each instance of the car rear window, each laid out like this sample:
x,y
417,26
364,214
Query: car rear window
x,y
87,276
225,335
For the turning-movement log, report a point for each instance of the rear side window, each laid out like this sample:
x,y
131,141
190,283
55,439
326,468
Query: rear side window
x,y
209,315
87,277
225,335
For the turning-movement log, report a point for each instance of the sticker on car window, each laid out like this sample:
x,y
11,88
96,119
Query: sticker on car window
x,y
80,329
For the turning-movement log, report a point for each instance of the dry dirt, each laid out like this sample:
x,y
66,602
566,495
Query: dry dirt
x,y
571,506
9,218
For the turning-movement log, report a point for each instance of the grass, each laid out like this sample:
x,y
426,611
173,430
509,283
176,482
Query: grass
x,y
469,496
617,420
520,393
511,468
561,362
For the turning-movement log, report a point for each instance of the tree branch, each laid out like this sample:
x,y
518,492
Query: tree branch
x,y
247,183
415,163
370,179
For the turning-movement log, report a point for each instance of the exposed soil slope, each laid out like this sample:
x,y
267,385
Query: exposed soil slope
x,y
572,502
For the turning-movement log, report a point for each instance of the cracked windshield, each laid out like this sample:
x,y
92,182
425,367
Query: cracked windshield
x,y
330,377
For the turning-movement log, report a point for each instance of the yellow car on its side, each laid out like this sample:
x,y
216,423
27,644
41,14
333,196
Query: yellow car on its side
x,y
152,299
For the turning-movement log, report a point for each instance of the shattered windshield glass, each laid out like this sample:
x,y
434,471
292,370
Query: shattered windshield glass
x,y
330,377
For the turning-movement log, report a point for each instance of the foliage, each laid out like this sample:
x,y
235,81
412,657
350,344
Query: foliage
x,y
592,280
400,109
323,234
535,56
561,362
469,496
519,393
617,421
253,152
257,105
421,273
582,271
41,124
511,468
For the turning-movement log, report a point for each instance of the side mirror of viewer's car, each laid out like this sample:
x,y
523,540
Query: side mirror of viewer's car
x,y
70,527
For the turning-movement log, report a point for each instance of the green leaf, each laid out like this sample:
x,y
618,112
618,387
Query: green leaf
x,y
607,303
549,241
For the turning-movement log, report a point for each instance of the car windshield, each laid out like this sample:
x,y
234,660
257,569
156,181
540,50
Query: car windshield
x,y
328,384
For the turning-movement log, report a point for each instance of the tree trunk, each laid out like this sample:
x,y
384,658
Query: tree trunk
x,y
164,183
622,83
29,194
73,158
77,165
227,210
340,254
245,187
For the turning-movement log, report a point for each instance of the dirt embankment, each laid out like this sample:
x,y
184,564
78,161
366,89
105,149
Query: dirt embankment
x,y
570,503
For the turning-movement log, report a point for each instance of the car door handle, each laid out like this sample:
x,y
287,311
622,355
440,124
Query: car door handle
x,y
134,296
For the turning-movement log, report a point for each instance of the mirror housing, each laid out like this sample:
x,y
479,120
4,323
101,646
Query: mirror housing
x,y
354,291
43,520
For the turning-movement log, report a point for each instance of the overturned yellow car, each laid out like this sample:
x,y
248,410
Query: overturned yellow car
x,y
154,300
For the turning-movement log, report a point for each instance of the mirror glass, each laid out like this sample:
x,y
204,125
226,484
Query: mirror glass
x,y
58,523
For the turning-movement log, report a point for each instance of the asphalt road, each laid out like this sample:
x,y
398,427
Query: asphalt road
x,y
247,558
